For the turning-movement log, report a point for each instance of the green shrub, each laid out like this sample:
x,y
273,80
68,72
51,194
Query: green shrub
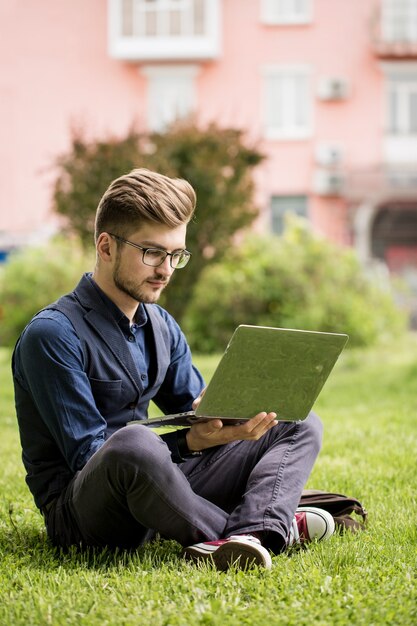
x,y
293,281
33,277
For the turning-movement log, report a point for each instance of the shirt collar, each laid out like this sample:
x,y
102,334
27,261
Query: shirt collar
x,y
119,317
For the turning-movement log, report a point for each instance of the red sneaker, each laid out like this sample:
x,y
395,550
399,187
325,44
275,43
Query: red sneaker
x,y
310,524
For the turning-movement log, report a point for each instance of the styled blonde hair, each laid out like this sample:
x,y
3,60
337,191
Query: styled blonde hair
x,y
141,197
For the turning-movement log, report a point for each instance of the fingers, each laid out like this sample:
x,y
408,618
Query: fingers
x,y
209,427
212,432
258,425
204,435
198,399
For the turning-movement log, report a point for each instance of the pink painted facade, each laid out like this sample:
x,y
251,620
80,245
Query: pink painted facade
x,y
326,88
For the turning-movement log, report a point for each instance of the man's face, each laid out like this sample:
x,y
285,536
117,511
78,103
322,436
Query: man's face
x,y
142,282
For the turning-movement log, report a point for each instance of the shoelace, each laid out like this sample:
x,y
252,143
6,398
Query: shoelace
x,y
220,542
294,536
248,537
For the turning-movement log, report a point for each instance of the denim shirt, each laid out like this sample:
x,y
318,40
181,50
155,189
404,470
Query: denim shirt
x,y
60,419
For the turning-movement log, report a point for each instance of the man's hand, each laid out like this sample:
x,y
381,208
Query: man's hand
x,y
213,433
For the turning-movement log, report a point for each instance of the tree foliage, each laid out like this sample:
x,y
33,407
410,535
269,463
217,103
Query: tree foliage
x,y
215,161
85,172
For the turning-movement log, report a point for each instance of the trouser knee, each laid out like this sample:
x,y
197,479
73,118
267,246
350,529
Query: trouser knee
x,y
313,429
136,446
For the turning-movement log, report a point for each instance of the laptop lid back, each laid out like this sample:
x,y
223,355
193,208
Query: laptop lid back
x,y
271,369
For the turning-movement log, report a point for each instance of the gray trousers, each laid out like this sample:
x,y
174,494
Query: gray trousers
x,y
130,490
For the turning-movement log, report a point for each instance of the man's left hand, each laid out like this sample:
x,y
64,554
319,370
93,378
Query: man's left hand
x,y
213,433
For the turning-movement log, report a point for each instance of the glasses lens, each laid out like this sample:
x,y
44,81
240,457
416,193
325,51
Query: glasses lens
x,y
154,257
180,259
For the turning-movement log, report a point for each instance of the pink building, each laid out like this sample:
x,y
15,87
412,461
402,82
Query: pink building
x,y
328,89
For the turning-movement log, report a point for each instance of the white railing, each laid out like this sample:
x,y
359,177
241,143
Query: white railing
x,y
140,30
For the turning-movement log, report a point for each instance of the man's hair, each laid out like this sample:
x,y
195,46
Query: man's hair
x,y
141,197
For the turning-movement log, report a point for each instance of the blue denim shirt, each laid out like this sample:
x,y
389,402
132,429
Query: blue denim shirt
x,y
60,422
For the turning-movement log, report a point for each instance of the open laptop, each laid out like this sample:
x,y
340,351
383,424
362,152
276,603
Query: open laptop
x,y
264,369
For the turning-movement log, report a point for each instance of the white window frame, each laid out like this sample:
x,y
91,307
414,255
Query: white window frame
x,y
401,80
171,94
400,143
289,129
285,12
164,47
399,21
402,92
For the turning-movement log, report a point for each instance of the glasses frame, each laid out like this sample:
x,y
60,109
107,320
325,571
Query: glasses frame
x,y
186,253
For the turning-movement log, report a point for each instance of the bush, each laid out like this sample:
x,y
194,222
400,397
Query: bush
x,y
293,281
34,277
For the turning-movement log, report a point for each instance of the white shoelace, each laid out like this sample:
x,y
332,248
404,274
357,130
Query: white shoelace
x,y
248,537
294,535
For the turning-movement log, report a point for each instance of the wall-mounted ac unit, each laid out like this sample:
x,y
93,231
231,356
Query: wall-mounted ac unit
x,y
329,183
333,88
329,154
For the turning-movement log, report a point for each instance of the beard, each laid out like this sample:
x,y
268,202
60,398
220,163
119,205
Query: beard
x,y
141,292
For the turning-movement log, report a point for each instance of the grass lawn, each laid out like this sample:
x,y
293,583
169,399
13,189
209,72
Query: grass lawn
x,y
369,408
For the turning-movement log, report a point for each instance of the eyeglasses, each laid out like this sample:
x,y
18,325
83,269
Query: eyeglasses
x,y
155,256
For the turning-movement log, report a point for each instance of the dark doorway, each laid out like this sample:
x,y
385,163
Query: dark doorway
x,y
394,235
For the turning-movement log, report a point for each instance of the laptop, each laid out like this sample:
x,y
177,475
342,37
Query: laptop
x,y
264,369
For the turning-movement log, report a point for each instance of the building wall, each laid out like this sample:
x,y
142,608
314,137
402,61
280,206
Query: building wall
x,y
56,70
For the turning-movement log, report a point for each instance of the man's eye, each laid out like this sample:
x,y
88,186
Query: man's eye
x,y
154,253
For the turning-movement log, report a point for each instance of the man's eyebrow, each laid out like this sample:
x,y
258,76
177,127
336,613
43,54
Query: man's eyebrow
x,y
154,244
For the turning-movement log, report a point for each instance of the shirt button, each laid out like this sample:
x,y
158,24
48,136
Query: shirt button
x,y
131,338
143,376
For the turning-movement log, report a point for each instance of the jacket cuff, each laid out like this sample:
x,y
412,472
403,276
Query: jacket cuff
x,y
177,443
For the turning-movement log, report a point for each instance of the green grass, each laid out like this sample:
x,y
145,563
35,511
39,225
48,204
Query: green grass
x,y
369,408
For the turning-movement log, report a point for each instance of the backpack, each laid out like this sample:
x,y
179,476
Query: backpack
x,y
339,506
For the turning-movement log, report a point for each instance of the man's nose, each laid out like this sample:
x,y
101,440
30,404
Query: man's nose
x,y
165,267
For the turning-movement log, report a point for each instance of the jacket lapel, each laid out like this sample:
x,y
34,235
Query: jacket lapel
x,y
99,318
161,340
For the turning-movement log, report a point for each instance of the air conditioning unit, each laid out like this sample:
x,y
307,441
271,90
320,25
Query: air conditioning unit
x,y
329,154
333,88
329,183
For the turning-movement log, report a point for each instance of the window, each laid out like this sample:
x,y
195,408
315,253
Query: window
x,y
164,29
402,104
399,21
286,11
287,103
285,205
171,94
400,139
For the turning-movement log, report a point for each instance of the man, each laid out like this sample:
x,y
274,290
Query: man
x,y
92,361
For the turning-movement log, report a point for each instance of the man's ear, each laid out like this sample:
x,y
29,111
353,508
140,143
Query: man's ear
x,y
106,247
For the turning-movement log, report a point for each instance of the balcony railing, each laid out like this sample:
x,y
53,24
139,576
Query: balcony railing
x,y
382,182
164,30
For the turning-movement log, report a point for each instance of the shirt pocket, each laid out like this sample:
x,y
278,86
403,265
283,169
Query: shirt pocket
x,y
107,394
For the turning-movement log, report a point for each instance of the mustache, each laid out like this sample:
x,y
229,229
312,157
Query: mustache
x,y
160,278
